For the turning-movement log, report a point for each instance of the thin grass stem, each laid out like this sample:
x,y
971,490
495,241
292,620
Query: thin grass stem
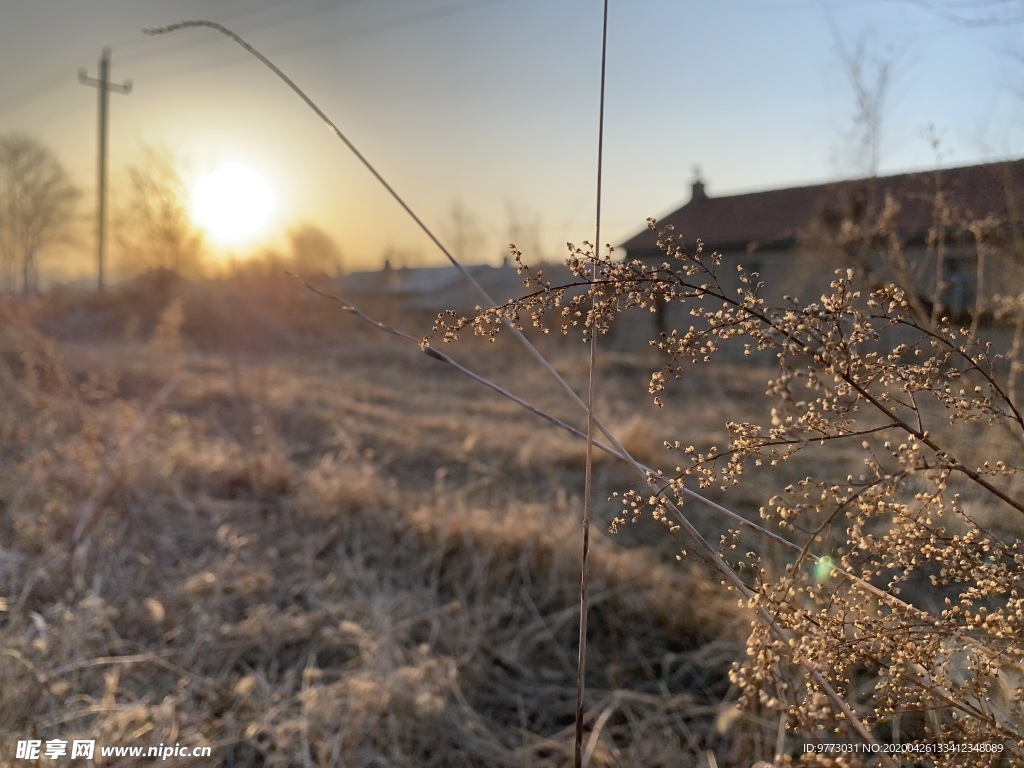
x,y
588,491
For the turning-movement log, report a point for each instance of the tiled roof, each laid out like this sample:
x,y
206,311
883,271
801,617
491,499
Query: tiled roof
x,y
780,216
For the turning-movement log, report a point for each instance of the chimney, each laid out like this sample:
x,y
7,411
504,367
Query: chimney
x,y
697,192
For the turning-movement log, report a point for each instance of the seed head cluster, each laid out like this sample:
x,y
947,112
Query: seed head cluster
x,y
918,624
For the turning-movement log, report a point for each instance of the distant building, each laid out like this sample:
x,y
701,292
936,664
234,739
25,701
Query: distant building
x,y
436,289
796,238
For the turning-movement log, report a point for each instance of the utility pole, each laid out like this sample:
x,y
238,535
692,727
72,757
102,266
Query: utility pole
x,y
104,86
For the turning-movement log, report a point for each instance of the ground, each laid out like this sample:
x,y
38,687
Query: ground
x,y
232,516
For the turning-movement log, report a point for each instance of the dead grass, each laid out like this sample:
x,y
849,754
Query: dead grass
x,y
334,552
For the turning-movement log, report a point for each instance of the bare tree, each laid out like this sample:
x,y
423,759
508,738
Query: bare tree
x,y
154,229
524,230
870,78
37,206
463,231
314,251
843,230
976,13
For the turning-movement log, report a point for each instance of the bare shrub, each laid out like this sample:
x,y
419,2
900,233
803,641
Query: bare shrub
x,y
912,611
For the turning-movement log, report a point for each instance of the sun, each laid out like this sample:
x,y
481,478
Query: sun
x,y
233,203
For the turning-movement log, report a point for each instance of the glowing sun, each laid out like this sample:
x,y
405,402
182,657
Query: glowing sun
x,y
233,203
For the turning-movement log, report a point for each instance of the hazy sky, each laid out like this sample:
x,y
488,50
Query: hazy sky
x,y
492,104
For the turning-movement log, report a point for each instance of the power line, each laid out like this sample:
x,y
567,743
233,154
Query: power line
x,y
325,34
177,47
137,52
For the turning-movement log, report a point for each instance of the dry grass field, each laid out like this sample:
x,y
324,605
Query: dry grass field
x,y
231,516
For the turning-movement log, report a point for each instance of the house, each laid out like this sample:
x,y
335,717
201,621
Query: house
x,y
952,238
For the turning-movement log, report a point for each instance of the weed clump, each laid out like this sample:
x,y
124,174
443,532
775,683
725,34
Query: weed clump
x,y
264,560
897,600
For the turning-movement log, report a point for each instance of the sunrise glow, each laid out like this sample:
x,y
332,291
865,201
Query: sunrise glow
x,y
233,203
